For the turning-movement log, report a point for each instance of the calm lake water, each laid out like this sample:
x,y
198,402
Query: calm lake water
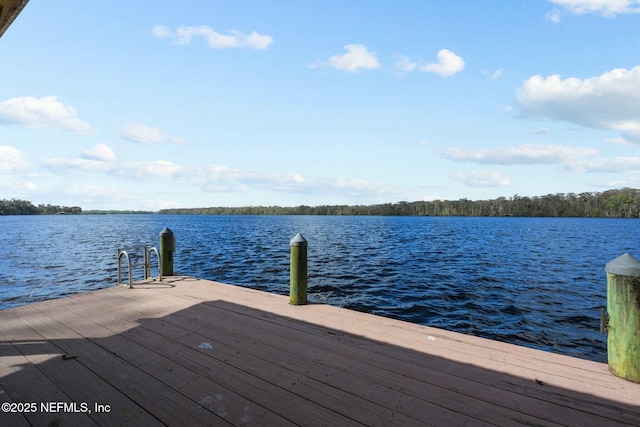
x,y
537,282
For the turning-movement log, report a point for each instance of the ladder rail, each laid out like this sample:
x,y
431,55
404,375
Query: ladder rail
x,y
147,266
121,254
146,263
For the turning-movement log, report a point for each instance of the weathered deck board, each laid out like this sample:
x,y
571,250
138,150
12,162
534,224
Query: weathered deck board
x,y
128,379
473,392
194,352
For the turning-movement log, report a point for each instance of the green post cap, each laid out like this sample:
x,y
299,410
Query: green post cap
x,y
166,231
624,265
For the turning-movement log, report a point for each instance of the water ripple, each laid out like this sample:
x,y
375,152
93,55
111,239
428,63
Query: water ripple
x,y
537,282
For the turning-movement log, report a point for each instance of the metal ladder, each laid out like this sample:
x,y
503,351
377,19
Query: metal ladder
x,y
146,262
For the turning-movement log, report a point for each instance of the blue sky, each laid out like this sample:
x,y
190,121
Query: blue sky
x,y
151,105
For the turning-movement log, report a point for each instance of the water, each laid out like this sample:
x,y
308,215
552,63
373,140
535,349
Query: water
x,y
537,282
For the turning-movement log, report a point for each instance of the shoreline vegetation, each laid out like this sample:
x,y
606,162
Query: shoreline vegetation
x,y
618,203
24,207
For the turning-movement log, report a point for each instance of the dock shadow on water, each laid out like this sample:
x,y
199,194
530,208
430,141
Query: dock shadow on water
x,y
219,362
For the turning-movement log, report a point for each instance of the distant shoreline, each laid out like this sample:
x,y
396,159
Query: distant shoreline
x,y
619,203
622,203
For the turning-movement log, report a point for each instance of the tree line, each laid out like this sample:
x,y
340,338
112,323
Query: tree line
x,y
619,203
23,207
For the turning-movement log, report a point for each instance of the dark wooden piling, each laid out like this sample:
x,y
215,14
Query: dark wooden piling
x,y
167,248
298,271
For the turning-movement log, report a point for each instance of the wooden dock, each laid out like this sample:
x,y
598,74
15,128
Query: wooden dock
x,y
194,352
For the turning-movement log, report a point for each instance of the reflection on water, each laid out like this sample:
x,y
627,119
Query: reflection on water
x,y
537,282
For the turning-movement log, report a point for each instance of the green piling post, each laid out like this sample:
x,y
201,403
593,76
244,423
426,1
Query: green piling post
x,y
167,248
623,305
298,271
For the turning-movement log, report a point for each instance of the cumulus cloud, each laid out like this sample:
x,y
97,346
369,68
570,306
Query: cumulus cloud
x,y
11,160
526,154
609,101
42,112
145,134
608,8
448,64
356,58
100,152
490,178
215,40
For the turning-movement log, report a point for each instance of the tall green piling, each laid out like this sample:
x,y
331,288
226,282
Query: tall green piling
x,y
623,305
298,271
167,248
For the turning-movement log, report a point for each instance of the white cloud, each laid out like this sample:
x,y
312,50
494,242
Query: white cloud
x,y
100,152
11,160
24,185
609,101
495,75
235,39
448,64
106,197
490,178
129,170
360,187
145,134
215,178
614,165
617,141
219,178
161,32
13,166
255,40
405,64
356,58
608,8
17,187
148,169
526,154
318,63
208,178
554,16
42,112
63,166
